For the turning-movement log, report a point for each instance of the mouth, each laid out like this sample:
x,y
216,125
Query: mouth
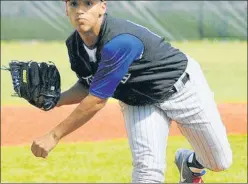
x,y
81,20
79,17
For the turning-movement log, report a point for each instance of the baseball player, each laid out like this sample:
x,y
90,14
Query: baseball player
x,y
155,84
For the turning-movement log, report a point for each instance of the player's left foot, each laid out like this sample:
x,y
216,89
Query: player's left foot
x,y
186,175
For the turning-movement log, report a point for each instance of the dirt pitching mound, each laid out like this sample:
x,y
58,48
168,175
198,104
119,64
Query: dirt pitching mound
x,y
21,125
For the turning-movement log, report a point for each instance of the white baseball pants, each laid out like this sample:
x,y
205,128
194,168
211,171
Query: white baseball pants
x,y
196,114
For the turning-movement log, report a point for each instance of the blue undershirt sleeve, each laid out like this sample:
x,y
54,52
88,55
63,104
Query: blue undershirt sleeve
x,y
117,55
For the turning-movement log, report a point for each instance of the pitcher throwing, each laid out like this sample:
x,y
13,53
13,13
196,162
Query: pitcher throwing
x,y
155,84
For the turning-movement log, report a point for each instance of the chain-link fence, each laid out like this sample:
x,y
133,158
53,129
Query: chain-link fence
x,y
175,20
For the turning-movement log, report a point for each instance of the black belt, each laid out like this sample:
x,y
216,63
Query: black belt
x,y
173,90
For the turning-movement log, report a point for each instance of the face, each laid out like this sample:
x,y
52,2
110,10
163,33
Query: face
x,y
85,15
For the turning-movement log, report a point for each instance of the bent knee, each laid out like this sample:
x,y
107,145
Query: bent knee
x,y
222,164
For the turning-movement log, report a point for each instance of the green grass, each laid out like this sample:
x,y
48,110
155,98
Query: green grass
x,y
224,64
108,161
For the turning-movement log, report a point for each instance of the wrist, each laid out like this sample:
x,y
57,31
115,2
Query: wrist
x,y
56,135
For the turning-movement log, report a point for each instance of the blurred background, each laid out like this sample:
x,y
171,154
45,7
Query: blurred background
x,y
175,20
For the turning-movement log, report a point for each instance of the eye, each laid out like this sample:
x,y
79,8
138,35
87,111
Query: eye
x,y
74,4
88,3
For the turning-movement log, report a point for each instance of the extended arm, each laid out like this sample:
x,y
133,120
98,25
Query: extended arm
x,y
83,112
117,56
74,95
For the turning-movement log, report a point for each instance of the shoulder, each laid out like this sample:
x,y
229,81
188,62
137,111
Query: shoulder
x,y
123,41
116,22
123,46
116,26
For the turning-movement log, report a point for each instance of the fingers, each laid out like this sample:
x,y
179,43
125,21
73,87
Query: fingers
x,y
38,150
42,146
44,154
33,148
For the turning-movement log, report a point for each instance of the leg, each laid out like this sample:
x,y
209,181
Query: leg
x,y
147,129
196,113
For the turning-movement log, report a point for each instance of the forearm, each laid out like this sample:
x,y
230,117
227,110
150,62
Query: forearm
x,y
82,114
73,95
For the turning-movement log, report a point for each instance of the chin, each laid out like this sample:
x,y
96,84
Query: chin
x,y
84,28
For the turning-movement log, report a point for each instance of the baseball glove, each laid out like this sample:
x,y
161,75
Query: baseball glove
x,y
38,83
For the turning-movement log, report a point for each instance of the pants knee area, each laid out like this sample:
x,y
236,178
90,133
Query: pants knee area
x,y
222,164
147,174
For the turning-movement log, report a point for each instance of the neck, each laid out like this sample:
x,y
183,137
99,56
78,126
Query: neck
x,y
90,38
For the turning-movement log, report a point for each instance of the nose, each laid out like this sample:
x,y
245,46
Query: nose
x,y
80,10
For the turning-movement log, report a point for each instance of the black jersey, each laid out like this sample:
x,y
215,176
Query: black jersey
x,y
148,79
